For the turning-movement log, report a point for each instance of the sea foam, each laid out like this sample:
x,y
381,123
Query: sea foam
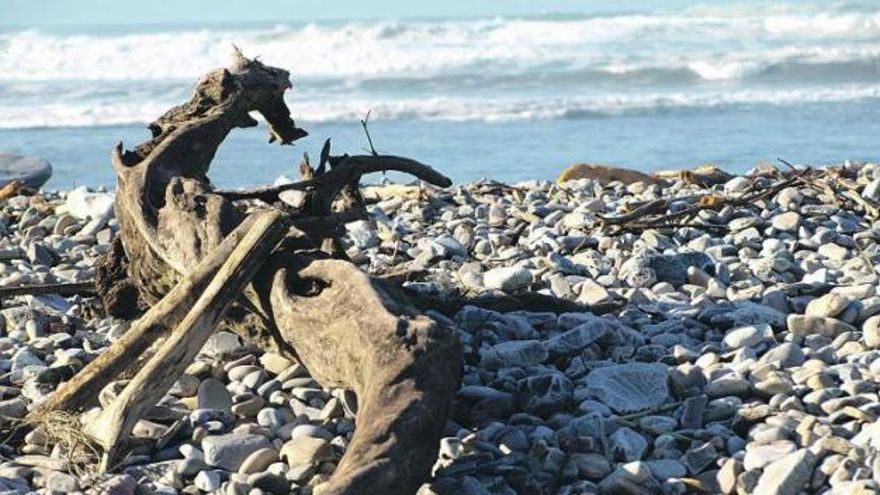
x,y
486,69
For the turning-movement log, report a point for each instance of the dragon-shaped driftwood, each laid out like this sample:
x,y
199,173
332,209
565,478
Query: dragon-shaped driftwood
x,y
190,256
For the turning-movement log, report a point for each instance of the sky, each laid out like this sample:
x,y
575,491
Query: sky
x,y
37,13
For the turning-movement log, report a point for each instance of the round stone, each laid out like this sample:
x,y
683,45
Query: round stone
x,y
871,332
258,461
31,171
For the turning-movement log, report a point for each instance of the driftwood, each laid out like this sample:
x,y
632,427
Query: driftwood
x,y
117,362
62,289
113,425
349,329
652,215
834,184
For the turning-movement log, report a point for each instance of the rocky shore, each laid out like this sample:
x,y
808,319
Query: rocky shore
x,y
735,351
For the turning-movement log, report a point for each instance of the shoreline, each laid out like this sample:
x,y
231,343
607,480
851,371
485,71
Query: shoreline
x,y
738,346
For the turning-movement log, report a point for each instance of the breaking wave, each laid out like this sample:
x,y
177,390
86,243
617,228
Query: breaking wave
x,y
478,69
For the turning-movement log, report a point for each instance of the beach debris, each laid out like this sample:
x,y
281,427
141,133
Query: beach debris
x,y
742,383
707,175
11,189
605,174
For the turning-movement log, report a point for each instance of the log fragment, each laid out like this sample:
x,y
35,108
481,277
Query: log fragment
x,y
81,391
113,426
352,331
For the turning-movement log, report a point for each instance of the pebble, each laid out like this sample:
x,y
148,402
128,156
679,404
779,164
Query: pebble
x,y
58,482
829,305
514,353
805,325
208,481
744,337
758,456
508,279
871,332
258,461
628,445
212,394
787,475
269,482
229,451
306,450
786,222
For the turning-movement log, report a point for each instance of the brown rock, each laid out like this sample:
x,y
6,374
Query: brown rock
x,y
605,174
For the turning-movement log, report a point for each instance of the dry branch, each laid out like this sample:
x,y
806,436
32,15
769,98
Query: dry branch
x,y
114,363
63,289
646,217
351,169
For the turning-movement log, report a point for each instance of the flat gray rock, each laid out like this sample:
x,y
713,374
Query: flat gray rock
x,y
788,475
230,451
212,394
578,338
629,387
33,172
672,268
514,353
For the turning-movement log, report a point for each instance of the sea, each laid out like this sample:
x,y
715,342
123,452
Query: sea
x,y
505,98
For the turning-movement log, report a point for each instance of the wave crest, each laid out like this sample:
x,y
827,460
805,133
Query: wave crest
x,y
712,44
443,108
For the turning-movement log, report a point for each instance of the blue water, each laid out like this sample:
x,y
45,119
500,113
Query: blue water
x,y
511,99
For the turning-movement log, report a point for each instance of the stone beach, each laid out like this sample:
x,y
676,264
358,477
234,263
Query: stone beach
x,y
739,353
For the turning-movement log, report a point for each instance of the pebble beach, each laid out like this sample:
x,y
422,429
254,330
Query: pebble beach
x,y
737,352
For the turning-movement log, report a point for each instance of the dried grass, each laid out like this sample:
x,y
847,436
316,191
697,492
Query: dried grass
x,y
64,430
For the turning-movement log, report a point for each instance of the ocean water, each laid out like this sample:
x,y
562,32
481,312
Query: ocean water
x,y
507,98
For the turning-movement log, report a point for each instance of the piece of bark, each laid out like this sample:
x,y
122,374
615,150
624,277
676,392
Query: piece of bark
x,y
114,424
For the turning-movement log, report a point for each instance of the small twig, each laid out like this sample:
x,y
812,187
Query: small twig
x,y
364,122
787,164
670,220
350,169
658,205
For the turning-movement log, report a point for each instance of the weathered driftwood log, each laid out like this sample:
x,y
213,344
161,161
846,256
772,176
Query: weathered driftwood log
x,y
402,365
348,329
113,425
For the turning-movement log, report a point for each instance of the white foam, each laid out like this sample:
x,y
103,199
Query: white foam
x,y
443,108
484,69
364,49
